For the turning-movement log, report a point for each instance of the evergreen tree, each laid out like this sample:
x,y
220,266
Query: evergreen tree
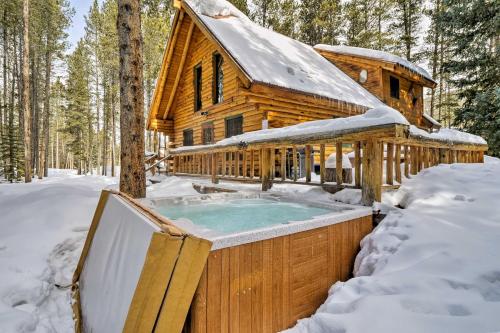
x,y
474,65
242,5
406,28
78,103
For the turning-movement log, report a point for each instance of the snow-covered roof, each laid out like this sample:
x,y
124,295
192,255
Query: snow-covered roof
x,y
274,59
432,120
379,116
375,54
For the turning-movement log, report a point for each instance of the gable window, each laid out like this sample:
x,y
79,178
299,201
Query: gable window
x,y
207,133
187,137
234,126
217,79
394,83
197,87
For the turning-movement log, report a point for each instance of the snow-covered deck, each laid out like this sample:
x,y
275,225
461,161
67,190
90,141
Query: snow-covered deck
x,y
272,155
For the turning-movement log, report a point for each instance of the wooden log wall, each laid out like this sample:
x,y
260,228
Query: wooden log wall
x,y
266,286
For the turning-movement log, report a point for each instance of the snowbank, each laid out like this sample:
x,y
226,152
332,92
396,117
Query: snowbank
x,y
379,116
431,267
274,59
375,54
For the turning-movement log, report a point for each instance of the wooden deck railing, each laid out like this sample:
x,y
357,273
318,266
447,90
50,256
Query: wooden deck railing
x,y
382,156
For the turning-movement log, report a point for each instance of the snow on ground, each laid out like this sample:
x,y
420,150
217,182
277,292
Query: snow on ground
x,y
43,226
430,267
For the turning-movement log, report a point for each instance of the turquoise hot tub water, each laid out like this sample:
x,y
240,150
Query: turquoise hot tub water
x,y
237,215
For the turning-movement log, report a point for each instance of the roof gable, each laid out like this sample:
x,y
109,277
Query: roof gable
x,y
274,59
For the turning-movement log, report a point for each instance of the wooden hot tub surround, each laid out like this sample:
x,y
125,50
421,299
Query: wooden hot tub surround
x,y
266,286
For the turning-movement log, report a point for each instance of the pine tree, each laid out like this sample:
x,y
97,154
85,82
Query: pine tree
x,y
78,103
474,66
406,28
242,5
364,23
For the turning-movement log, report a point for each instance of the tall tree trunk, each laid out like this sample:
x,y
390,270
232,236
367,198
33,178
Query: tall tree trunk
x,y
113,127
98,116
42,171
57,142
35,111
4,106
435,48
132,174
105,125
26,97
441,79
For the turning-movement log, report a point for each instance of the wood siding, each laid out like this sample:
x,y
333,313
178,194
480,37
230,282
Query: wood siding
x,y
201,51
378,83
266,286
404,104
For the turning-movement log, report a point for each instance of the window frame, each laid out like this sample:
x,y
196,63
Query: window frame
x,y
229,119
209,125
395,80
184,137
198,87
217,95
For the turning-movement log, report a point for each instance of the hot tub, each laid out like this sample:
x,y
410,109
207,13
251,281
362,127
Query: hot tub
x,y
273,257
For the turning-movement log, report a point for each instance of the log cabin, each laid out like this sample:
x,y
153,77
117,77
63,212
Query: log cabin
x,y
224,75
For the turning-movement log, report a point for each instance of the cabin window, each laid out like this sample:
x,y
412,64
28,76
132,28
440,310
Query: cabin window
x,y
394,83
187,137
197,87
218,79
363,76
234,126
207,133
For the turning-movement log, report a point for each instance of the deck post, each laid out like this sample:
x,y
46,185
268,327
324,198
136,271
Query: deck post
x,y
414,160
273,162
283,164
397,163
295,163
390,164
267,182
308,163
372,170
322,163
357,164
338,163
215,180
407,162
443,155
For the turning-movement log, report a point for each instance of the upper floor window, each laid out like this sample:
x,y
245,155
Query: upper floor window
x,y
207,133
218,79
197,87
394,83
187,137
234,126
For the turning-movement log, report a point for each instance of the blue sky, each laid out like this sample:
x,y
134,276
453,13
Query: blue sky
x,y
77,29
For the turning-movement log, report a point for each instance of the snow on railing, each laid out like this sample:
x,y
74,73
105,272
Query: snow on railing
x,y
385,148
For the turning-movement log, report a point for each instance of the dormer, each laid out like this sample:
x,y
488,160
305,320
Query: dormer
x,y
395,81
